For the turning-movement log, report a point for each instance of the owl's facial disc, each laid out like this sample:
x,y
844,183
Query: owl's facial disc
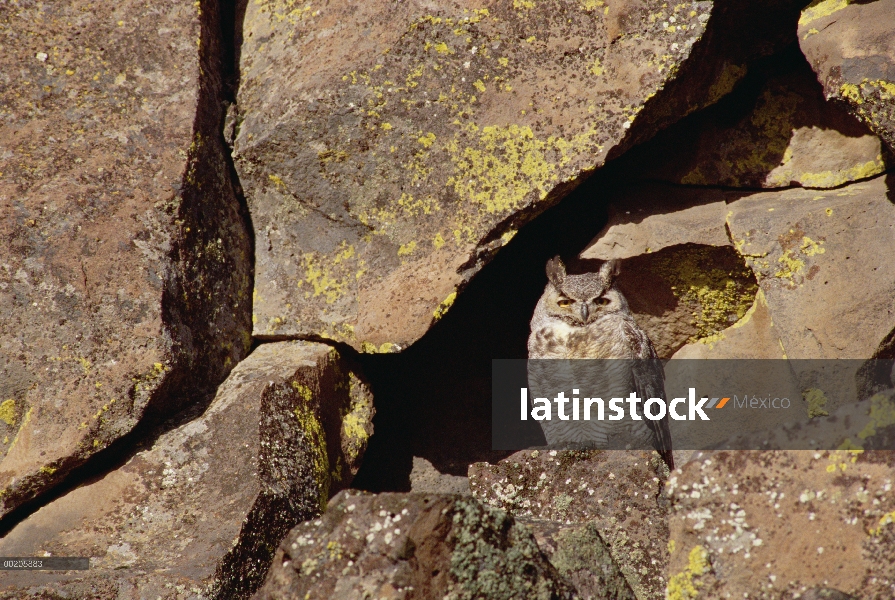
x,y
590,310
580,311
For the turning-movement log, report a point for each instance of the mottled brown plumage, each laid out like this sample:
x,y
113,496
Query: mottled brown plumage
x,y
585,316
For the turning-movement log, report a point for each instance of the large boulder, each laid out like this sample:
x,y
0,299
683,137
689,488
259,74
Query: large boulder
x,y
125,258
775,524
617,494
818,287
411,546
388,150
851,47
820,259
200,508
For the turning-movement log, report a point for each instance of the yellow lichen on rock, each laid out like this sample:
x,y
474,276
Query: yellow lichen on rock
x,y
823,8
886,519
816,402
8,411
723,297
829,179
685,585
444,306
316,443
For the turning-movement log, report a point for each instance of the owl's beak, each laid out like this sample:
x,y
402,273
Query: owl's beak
x,y
584,311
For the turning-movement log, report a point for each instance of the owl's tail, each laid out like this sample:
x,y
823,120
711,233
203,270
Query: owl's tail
x,y
662,440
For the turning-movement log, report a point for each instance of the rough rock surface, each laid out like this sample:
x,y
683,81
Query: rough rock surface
x,y
816,255
772,524
425,478
582,557
772,134
682,278
618,492
199,511
865,425
751,337
125,259
851,47
411,546
400,145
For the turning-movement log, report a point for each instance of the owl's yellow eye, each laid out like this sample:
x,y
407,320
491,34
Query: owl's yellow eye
x,y
563,302
602,301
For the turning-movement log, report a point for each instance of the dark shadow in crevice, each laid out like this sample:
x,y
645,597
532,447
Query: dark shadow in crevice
x,y
433,399
232,17
738,142
199,366
737,35
890,186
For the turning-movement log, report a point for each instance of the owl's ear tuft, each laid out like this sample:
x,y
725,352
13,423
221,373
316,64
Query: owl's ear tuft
x,y
556,271
609,270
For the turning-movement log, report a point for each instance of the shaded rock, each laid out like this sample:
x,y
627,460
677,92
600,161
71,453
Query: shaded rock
x,y
200,509
649,217
735,376
426,479
582,558
125,275
399,146
411,546
775,131
851,47
619,492
771,524
753,336
738,36
683,280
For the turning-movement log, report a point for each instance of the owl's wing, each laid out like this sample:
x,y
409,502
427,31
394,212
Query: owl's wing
x,y
649,381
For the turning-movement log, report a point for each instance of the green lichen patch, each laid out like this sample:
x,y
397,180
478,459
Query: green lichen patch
x,y
816,402
491,557
882,415
720,290
582,555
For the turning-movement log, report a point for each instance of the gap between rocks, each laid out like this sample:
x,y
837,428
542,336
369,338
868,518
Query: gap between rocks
x,y
223,20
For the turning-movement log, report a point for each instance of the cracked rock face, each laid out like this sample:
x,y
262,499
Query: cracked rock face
x,y
851,47
771,524
199,510
619,493
406,546
399,145
125,263
582,557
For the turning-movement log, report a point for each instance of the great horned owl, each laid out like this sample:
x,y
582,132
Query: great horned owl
x,y
585,316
